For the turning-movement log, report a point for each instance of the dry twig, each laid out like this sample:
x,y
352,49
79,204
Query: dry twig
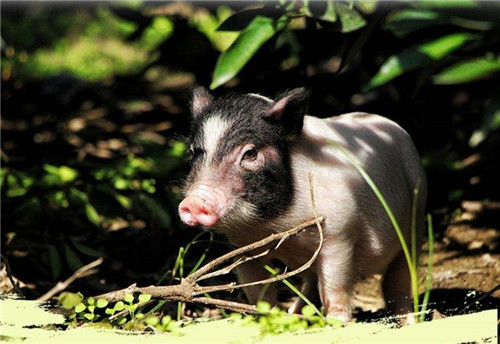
x,y
82,272
188,290
15,285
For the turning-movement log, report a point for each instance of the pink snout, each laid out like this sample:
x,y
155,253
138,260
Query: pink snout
x,y
194,211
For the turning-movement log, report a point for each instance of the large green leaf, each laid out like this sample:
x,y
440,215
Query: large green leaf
x,y
156,211
350,19
92,214
231,61
74,262
329,14
240,20
54,261
473,10
417,56
366,6
407,21
467,71
447,4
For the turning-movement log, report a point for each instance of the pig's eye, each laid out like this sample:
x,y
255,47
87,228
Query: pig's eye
x,y
250,154
195,152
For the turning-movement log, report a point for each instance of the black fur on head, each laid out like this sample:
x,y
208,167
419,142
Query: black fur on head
x,y
262,122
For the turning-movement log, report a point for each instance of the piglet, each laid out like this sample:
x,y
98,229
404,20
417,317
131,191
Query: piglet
x,y
251,157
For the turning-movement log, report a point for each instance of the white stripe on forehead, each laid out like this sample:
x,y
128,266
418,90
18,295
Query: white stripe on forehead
x,y
214,129
260,97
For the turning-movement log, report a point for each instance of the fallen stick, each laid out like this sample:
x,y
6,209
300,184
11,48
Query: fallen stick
x,y
84,271
188,289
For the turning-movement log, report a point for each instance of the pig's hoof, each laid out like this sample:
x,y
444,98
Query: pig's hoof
x,y
408,319
344,316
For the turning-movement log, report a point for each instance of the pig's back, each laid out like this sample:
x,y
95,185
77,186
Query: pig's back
x,y
387,154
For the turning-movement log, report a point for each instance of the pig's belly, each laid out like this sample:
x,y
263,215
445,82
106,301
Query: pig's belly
x,y
354,215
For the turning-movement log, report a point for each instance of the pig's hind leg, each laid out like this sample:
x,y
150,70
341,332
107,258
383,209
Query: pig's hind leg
x,y
396,286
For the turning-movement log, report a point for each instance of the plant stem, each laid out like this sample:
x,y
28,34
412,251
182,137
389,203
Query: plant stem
x,y
409,260
428,284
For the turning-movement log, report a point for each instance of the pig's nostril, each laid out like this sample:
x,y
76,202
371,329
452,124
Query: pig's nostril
x,y
185,210
194,211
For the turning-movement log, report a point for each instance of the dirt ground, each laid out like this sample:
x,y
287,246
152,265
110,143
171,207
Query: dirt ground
x,y
466,266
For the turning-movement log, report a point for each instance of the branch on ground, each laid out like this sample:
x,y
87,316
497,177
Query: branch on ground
x,y
188,290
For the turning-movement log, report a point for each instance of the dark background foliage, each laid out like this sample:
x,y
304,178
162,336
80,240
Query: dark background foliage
x,y
95,103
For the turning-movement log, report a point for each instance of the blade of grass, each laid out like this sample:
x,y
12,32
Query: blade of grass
x,y
395,224
414,224
295,290
428,284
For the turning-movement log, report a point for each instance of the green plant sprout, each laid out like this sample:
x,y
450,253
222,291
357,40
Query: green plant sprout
x,y
123,314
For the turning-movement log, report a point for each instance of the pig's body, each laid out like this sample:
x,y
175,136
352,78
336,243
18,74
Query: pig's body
x,y
359,239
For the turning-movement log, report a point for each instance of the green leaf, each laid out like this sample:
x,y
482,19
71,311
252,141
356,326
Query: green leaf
x,y
144,298
90,300
240,20
231,61
434,4
70,300
367,6
55,261
119,306
263,307
121,320
329,14
62,174
91,308
86,250
80,308
308,311
101,303
153,321
129,298
67,174
466,71
490,121
110,311
92,214
167,319
123,200
29,212
350,19
156,211
74,262
418,56
407,21
89,316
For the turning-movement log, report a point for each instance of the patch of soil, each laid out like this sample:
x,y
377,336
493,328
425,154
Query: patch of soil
x,y
466,266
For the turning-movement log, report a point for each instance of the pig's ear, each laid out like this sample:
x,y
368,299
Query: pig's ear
x,y
289,110
201,99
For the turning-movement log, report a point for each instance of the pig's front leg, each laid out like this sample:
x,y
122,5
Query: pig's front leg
x,y
335,280
253,271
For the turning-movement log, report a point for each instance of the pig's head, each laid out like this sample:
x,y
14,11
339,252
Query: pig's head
x,y
240,168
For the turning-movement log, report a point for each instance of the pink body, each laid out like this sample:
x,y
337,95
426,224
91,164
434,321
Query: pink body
x,y
359,239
